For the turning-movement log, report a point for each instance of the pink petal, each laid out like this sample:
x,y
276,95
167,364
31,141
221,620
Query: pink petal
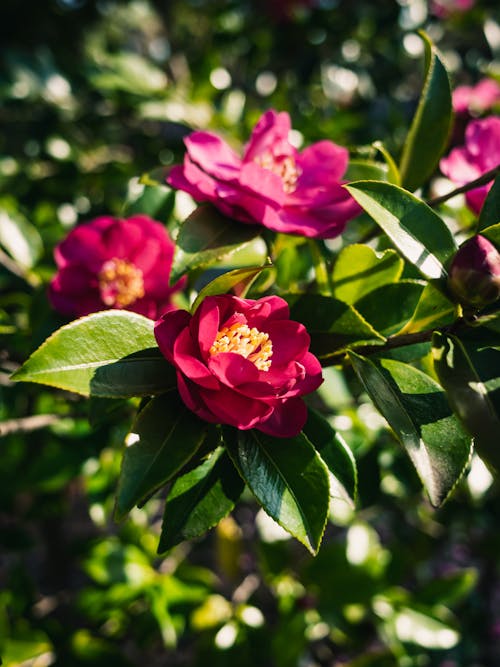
x,y
322,163
287,419
233,369
271,132
185,358
205,325
290,341
230,407
190,394
213,155
168,328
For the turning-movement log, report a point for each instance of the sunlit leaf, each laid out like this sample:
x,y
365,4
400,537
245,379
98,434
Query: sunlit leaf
x,y
428,135
472,382
199,500
490,210
417,410
238,281
413,227
206,236
112,353
336,454
293,490
358,270
168,435
333,325
403,298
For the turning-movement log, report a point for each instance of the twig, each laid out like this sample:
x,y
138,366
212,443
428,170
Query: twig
x,y
482,180
27,424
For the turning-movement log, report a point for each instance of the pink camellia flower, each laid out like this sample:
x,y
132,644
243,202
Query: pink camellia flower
x,y
480,154
445,8
476,99
475,272
273,184
241,362
114,263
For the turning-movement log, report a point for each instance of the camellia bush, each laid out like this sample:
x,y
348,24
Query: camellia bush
x,y
414,312
218,322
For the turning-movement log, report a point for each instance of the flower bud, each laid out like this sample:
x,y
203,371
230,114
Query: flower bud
x,y
475,272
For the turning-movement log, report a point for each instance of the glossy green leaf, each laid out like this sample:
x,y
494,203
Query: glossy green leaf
x,y
403,298
333,325
366,170
359,270
433,310
336,454
416,408
293,490
200,499
111,353
492,233
428,135
206,236
156,201
169,434
472,391
21,240
490,211
238,281
413,227
393,175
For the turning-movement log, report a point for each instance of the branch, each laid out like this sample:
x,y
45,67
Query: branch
x,y
482,180
27,424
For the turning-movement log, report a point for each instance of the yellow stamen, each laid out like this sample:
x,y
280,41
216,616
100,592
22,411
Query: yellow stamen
x,y
120,283
252,344
285,168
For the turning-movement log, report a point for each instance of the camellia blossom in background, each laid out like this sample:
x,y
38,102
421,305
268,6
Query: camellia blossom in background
x,y
445,8
242,362
114,263
474,275
480,154
273,184
476,99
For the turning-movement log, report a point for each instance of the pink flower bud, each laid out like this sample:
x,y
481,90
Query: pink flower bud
x,y
475,272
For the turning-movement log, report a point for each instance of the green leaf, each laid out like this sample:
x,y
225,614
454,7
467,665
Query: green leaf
x,y
366,170
156,201
206,236
393,175
200,499
492,233
416,408
358,270
403,298
413,227
490,211
428,135
433,310
336,454
128,72
21,240
112,353
238,280
287,477
333,325
169,434
471,391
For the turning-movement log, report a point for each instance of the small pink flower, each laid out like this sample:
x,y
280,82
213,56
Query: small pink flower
x,y
114,263
273,184
476,99
480,154
445,8
242,362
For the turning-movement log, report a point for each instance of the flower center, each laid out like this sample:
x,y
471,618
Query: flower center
x,y
285,168
120,283
252,344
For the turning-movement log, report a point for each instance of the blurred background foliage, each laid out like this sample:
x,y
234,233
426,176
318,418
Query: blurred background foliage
x,y
94,94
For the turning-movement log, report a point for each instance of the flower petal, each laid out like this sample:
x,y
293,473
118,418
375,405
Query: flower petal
x,y
167,328
287,419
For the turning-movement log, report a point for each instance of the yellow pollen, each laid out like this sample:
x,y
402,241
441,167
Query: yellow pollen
x,y
252,344
285,168
120,283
